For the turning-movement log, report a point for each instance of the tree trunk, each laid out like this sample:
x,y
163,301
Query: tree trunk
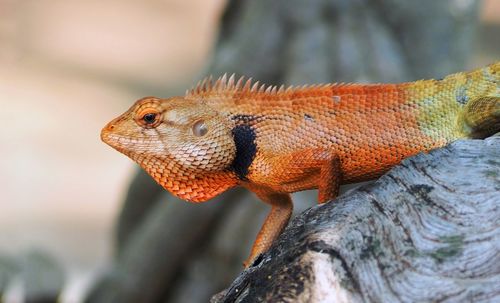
x,y
427,231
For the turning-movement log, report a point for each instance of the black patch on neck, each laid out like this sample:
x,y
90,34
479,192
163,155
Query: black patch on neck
x,y
246,148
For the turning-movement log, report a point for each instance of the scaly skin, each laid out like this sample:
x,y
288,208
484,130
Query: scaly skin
x,y
278,141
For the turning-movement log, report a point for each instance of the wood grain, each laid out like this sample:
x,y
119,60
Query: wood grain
x,y
429,230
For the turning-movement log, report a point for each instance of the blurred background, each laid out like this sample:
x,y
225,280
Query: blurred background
x,y
67,67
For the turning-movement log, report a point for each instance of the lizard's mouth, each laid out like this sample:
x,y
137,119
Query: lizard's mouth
x,y
132,147
107,135
114,140
107,131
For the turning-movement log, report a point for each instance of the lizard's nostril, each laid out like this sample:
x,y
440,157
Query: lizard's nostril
x,y
109,127
106,131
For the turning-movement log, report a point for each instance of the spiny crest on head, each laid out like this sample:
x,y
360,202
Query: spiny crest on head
x,y
224,84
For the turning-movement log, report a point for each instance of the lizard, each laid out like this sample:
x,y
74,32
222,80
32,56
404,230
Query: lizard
x,y
275,140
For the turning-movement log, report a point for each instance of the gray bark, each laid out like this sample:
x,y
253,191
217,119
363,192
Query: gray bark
x,y
277,42
429,230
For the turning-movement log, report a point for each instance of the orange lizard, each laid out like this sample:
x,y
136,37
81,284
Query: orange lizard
x,y
276,141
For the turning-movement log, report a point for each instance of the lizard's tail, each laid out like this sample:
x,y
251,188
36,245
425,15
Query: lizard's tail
x,y
482,116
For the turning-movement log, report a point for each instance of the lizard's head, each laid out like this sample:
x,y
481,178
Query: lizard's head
x,y
188,132
173,139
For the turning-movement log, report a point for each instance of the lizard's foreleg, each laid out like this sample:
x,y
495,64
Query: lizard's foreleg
x,y
330,177
301,170
280,175
276,221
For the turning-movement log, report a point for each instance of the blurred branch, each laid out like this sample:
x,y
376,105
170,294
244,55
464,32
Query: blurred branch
x,y
134,212
8,269
42,276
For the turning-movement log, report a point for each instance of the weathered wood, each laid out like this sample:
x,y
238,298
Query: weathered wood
x,y
429,230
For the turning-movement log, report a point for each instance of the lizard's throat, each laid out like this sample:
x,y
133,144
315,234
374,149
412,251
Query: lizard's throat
x,y
165,170
184,183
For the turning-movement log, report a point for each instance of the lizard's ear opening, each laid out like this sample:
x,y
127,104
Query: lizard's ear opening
x,y
200,128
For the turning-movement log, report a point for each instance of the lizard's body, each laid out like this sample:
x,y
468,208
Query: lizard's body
x,y
277,141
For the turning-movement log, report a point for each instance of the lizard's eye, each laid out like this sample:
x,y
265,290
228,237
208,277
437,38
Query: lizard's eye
x,y
149,118
200,129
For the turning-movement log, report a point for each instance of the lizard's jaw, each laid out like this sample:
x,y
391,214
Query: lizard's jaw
x,y
107,133
137,149
109,138
116,141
